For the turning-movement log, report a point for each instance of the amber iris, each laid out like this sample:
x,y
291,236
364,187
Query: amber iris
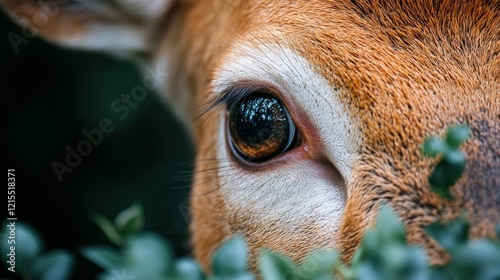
x,y
260,127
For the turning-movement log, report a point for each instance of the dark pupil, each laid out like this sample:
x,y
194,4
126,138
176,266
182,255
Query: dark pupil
x,y
259,127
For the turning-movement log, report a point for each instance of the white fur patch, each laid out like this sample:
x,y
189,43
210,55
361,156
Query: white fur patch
x,y
148,9
145,9
297,192
115,39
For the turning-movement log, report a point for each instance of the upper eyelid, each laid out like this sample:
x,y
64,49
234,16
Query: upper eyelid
x,y
235,93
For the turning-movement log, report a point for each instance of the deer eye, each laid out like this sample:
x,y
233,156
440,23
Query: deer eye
x,y
260,127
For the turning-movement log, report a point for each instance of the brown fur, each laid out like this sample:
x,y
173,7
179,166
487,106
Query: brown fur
x,y
406,70
54,27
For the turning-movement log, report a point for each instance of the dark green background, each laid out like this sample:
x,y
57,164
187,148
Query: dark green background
x,y
48,96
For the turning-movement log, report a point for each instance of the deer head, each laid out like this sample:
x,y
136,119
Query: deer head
x,y
308,115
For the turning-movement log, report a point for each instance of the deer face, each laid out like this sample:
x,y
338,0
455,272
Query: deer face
x,y
313,112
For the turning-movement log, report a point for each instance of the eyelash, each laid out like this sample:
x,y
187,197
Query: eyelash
x,y
236,94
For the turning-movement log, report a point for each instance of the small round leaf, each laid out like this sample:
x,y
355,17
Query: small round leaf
x,y
456,136
55,265
434,147
231,258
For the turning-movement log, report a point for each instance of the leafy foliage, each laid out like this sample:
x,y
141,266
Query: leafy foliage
x,y
127,222
30,260
383,254
142,255
452,163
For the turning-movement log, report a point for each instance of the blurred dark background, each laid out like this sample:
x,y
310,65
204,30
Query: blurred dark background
x,y
48,96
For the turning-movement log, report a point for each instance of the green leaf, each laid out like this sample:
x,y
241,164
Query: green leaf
x,y
121,274
394,257
28,245
187,269
452,164
434,147
416,266
440,183
275,266
231,258
389,227
455,158
444,176
104,256
456,136
478,259
130,220
148,255
55,265
318,264
368,248
242,276
108,228
384,253
450,235
368,271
